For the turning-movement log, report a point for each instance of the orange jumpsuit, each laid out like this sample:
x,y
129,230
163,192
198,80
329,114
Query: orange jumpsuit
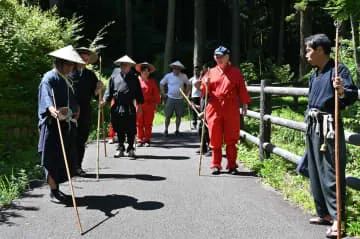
x,y
227,90
151,98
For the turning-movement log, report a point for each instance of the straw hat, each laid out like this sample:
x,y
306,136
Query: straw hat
x,y
67,53
138,67
178,64
93,57
125,59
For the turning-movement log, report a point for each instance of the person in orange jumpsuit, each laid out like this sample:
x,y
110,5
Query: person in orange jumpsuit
x,y
112,132
151,99
226,92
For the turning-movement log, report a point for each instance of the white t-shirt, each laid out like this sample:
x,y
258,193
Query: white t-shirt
x,y
194,92
173,83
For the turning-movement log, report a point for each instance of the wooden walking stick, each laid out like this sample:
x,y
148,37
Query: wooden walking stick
x,y
102,113
98,140
337,160
204,119
67,167
190,104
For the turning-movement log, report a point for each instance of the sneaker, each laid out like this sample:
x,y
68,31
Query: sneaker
x,y
165,133
119,153
208,154
56,196
215,171
147,144
139,144
111,141
131,153
80,172
233,171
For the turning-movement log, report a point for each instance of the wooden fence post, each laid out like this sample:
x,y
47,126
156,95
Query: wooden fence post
x,y
265,126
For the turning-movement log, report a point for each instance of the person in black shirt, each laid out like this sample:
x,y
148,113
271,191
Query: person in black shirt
x,y
87,86
320,144
125,88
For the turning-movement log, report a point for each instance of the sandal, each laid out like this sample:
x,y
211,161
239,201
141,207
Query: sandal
x,y
332,231
321,221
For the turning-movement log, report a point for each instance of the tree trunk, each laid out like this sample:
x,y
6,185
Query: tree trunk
x,y
356,41
129,28
199,32
280,48
235,51
169,35
305,29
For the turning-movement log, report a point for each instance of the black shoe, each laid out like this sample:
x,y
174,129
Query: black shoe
x,y
208,154
80,172
233,171
119,153
177,133
197,151
215,171
56,196
165,133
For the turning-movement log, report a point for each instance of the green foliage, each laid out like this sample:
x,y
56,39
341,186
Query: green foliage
x,y
248,71
12,186
277,73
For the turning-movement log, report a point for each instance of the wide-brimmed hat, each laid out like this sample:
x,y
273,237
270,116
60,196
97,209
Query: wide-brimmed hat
x,y
67,53
177,64
125,59
138,67
93,57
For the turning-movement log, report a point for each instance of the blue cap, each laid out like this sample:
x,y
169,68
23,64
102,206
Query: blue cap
x,y
221,50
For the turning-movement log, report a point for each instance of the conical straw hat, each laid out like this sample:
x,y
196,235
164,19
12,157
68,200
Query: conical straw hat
x,y
138,66
124,59
178,64
67,53
93,57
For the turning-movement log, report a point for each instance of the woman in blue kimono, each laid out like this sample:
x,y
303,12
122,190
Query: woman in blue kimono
x,y
55,84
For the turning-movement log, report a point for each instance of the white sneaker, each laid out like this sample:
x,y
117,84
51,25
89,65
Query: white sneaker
x,y
111,141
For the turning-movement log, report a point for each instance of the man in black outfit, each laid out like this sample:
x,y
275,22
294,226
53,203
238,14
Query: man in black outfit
x,y
86,86
125,88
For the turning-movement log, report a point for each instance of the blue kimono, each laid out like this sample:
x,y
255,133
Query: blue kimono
x,y
52,158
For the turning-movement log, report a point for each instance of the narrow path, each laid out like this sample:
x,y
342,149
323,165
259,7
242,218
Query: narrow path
x,y
159,195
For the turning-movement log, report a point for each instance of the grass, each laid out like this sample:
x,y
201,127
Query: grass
x,y
280,173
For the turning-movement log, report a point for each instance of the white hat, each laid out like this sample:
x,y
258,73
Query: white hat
x,y
178,64
93,57
67,53
124,59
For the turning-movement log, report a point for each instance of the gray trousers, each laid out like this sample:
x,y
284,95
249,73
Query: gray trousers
x,y
322,169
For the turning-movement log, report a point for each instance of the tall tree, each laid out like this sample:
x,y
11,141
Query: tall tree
x,y
356,44
199,32
129,28
169,44
280,47
235,33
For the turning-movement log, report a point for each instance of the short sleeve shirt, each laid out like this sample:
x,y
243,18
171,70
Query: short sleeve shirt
x,y
174,83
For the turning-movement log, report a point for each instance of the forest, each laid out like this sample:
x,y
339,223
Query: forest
x,y
266,39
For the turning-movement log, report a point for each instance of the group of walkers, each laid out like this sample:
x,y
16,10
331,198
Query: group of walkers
x,y
65,93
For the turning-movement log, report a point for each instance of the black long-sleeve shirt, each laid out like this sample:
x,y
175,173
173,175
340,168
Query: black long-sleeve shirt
x,y
322,92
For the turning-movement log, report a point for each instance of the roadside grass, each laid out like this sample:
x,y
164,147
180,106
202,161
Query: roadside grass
x,y
281,174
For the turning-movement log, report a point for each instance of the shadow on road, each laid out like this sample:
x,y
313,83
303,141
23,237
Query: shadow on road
x,y
12,212
112,202
162,157
145,177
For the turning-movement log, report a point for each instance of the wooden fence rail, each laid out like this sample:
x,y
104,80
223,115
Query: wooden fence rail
x,y
266,120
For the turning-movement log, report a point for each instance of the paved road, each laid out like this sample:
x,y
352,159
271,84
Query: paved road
x,y
159,195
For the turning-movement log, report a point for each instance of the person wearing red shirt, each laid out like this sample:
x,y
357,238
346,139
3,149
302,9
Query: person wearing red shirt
x,y
226,92
151,99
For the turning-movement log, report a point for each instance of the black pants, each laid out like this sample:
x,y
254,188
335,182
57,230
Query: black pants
x,y
84,125
206,137
125,127
196,101
322,170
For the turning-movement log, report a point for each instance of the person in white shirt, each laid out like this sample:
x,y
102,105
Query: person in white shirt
x,y
195,94
174,99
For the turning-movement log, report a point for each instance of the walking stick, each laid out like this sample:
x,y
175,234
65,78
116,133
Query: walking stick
x,y
203,125
190,104
67,168
102,113
337,161
98,140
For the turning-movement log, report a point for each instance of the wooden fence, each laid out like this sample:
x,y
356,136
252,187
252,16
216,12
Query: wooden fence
x,y
265,147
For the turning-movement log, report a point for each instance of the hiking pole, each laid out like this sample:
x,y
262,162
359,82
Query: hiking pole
x,y
337,161
193,107
102,113
98,140
67,167
203,125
